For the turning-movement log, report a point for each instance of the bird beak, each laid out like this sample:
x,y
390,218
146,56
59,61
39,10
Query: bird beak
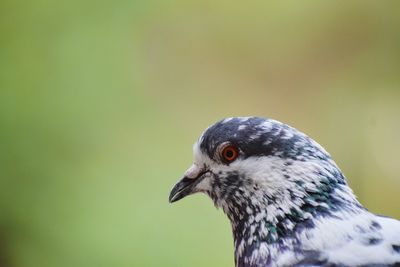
x,y
187,184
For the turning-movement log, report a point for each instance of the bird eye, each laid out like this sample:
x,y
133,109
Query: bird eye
x,y
229,153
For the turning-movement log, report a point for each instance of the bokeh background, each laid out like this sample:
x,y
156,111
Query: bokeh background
x,y
101,101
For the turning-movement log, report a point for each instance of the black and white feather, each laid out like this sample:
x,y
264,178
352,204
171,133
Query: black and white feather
x,y
287,200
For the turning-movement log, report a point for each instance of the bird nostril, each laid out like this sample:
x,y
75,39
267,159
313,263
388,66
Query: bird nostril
x,y
195,172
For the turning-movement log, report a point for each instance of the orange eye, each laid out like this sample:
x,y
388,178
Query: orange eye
x,y
230,153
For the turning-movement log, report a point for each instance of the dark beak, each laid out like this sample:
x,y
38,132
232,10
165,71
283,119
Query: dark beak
x,y
182,189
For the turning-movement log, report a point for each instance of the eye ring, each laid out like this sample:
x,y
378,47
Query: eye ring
x,y
229,153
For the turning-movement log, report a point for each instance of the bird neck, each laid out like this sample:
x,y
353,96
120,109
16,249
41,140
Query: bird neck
x,y
263,222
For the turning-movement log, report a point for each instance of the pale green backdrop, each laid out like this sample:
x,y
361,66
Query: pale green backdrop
x,y
101,101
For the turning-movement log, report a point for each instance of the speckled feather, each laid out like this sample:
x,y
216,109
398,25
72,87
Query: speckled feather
x,y
287,200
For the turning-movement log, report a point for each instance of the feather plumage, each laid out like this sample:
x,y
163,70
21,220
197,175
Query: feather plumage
x,y
288,202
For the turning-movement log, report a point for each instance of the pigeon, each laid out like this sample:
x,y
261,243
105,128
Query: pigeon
x,y
287,201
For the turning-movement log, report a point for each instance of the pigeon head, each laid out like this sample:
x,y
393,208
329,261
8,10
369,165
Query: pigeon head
x,y
288,202
256,168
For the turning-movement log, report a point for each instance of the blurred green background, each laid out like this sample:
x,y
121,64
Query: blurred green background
x,y
101,101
